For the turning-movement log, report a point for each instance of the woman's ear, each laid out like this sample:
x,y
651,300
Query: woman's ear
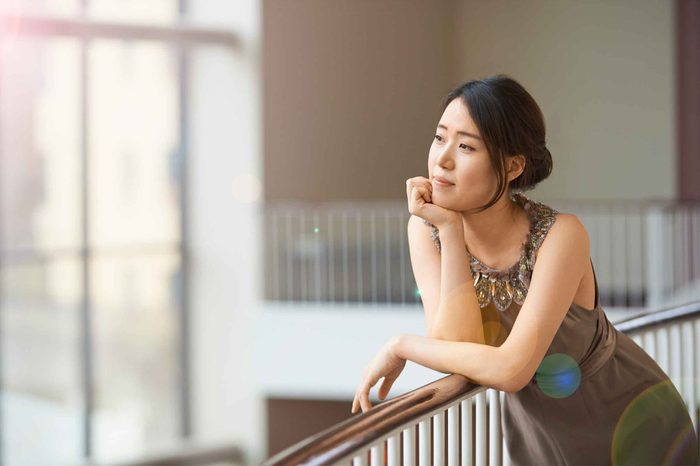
x,y
515,165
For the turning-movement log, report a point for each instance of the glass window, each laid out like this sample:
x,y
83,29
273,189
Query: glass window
x,y
133,140
142,11
42,7
40,145
136,353
41,402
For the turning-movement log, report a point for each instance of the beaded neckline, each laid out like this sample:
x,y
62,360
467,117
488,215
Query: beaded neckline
x,y
502,287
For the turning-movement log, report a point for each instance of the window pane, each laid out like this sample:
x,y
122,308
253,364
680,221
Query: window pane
x,y
43,7
148,11
41,394
133,142
40,144
136,354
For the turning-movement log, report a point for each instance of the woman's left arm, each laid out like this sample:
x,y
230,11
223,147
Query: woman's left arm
x,y
562,260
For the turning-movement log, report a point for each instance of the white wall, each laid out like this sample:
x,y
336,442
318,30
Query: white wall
x,y
224,205
602,71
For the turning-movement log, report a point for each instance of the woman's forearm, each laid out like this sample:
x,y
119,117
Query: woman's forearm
x,y
482,364
459,316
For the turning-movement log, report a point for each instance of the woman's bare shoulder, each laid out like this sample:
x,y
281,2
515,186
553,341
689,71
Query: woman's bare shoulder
x,y
567,226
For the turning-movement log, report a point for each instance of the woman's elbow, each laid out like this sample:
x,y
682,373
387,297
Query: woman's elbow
x,y
512,386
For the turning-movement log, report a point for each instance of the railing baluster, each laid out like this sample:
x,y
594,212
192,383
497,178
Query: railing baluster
x,y
467,430
453,435
394,450
409,446
494,428
504,446
344,236
481,445
424,442
373,256
696,374
663,347
378,454
290,259
649,344
301,255
361,459
687,367
387,256
331,259
358,245
675,354
439,438
402,257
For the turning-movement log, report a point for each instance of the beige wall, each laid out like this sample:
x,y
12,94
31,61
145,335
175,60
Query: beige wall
x,y
352,90
602,71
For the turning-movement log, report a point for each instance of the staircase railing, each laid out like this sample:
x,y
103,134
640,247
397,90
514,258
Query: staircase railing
x,y
454,421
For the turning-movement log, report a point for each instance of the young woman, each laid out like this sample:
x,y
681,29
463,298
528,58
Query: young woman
x,y
511,298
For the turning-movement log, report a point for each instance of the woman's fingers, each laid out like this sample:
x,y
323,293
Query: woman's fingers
x,y
364,398
361,400
385,388
417,181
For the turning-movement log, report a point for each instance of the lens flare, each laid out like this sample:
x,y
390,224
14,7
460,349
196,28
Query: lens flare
x,y
656,422
558,375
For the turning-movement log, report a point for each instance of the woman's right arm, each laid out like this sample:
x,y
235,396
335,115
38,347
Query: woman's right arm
x,y
445,283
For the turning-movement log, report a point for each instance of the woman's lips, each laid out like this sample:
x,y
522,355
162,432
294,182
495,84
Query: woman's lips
x,y
441,183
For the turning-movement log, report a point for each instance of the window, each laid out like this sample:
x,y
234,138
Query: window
x,y
91,156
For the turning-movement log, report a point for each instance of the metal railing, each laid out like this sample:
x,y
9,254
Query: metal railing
x,y
645,252
456,422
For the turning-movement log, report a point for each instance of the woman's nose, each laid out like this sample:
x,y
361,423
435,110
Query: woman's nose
x,y
443,157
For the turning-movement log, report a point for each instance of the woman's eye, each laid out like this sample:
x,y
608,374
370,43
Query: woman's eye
x,y
438,137
466,146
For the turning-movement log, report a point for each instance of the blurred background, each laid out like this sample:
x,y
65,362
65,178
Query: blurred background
x,y
202,202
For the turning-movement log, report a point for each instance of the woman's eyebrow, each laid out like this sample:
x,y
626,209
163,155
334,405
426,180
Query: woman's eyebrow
x,y
462,132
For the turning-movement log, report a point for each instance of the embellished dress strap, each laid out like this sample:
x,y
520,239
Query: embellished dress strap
x,y
502,287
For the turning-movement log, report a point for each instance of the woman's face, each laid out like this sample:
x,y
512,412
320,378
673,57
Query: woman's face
x,y
458,154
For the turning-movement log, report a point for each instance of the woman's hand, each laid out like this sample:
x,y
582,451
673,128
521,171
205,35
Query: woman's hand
x,y
419,191
385,364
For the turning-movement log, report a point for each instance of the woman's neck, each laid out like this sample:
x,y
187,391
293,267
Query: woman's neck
x,y
495,236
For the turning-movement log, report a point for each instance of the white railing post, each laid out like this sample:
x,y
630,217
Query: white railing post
x,y
453,435
361,459
439,439
424,442
466,441
409,446
394,450
377,455
494,428
481,445
656,263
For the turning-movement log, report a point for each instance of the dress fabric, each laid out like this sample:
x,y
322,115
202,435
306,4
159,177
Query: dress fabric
x,y
597,398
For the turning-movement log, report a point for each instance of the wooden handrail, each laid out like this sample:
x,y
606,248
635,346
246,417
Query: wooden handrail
x,y
340,441
648,321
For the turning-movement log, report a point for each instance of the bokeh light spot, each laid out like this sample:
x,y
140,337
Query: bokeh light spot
x,y
654,428
558,375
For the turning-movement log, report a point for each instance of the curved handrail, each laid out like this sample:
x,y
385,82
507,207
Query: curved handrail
x,y
341,441
647,321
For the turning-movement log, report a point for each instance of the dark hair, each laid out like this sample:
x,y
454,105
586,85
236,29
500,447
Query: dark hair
x,y
510,123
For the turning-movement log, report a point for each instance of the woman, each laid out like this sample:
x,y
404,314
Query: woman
x,y
524,316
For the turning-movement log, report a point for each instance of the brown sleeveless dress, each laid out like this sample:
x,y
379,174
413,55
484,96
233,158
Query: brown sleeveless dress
x,y
597,398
